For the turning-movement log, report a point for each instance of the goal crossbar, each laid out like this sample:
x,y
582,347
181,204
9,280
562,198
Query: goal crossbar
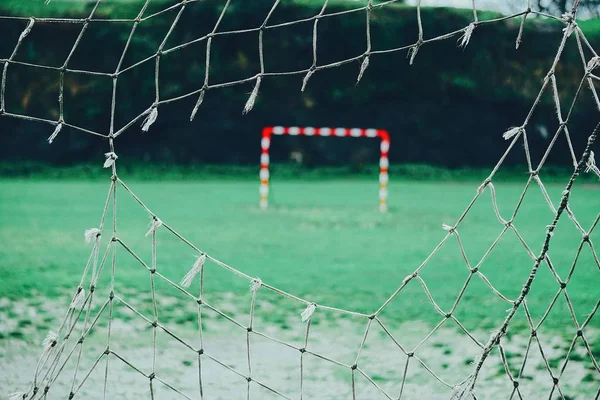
x,y
269,131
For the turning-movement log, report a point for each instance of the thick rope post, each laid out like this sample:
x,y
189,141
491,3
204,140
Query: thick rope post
x,y
265,145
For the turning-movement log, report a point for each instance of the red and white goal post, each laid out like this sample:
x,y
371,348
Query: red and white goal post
x,y
265,144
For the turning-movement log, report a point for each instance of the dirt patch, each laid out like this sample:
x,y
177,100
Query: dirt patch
x,y
276,364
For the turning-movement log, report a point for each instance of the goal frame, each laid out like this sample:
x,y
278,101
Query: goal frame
x,y
270,131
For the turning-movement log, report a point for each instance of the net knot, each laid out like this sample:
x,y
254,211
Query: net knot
x,y
17,396
569,19
111,157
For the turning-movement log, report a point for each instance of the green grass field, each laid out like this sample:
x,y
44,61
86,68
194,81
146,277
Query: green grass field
x,y
323,241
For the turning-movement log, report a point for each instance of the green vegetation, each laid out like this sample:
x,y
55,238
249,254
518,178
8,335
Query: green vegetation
x,y
203,172
321,240
448,109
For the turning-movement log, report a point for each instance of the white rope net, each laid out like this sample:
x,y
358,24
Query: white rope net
x,y
69,367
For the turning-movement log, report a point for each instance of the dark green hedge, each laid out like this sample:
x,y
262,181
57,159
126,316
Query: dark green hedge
x,y
448,109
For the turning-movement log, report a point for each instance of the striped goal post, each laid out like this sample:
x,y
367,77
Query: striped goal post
x,y
265,145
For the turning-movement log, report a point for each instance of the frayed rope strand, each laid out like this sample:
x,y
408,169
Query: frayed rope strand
x,y
92,235
150,119
448,228
567,18
461,392
154,225
306,78
512,132
252,99
55,133
79,299
50,340
110,159
591,165
466,36
196,268
412,53
255,285
197,105
17,396
308,312
27,29
363,68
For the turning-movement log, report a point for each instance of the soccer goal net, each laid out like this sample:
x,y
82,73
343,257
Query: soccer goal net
x,y
112,343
